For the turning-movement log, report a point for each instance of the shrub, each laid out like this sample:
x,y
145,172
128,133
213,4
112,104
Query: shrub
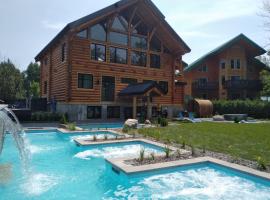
x,y
236,120
64,119
105,137
71,126
125,129
142,152
183,145
262,165
163,122
45,116
167,151
152,156
193,152
254,108
94,138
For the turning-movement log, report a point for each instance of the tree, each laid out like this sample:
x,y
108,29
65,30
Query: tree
x,y
265,76
11,82
32,79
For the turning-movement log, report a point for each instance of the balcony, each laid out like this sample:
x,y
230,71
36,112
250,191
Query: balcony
x,y
211,85
243,84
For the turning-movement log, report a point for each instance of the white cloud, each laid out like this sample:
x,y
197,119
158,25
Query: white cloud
x,y
54,26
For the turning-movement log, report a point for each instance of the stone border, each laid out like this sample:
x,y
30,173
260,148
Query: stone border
x,y
120,165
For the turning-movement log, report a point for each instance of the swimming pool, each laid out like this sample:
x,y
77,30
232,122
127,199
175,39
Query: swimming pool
x,y
94,126
57,171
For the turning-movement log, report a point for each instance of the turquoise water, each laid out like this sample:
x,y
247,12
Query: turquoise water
x,y
101,126
61,170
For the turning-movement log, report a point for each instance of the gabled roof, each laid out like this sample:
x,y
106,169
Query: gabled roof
x,y
140,89
108,10
226,45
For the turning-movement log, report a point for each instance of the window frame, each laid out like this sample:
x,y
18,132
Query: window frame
x,y
138,65
99,116
91,82
105,51
115,56
150,59
129,81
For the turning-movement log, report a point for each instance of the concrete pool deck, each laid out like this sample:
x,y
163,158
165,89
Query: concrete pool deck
x,y
120,165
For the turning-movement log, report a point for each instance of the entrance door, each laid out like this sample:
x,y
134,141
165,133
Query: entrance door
x,y
108,88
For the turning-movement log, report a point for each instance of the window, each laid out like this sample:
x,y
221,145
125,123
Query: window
x,y
45,87
203,68
85,81
82,34
118,55
98,52
93,112
113,112
118,38
222,64
63,52
141,28
164,86
223,80
117,24
98,32
138,42
138,58
155,44
202,81
148,81
238,63
154,61
232,64
128,81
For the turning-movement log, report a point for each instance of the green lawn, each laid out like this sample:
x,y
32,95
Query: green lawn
x,y
241,140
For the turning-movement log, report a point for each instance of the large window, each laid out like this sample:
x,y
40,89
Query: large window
x,y
154,61
138,58
82,34
93,112
98,52
129,80
118,38
98,32
164,86
138,42
113,112
85,81
120,23
155,44
118,55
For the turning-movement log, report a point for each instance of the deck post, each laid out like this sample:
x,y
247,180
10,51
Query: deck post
x,y
134,107
149,111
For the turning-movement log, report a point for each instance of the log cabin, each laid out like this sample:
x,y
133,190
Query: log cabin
x,y
116,63
231,71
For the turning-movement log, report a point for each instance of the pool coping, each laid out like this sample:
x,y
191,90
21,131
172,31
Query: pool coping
x,y
119,164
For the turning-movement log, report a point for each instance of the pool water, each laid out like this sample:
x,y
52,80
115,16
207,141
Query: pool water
x,y
61,170
94,126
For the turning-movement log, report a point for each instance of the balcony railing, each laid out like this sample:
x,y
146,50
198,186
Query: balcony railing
x,y
211,85
243,84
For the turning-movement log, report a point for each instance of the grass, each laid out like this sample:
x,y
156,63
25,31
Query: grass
x,y
248,141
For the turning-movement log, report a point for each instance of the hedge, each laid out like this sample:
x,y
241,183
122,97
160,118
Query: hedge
x,y
254,108
45,117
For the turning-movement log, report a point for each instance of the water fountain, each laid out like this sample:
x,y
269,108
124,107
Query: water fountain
x,y
9,123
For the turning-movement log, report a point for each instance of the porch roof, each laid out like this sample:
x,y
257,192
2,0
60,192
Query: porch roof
x,y
141,89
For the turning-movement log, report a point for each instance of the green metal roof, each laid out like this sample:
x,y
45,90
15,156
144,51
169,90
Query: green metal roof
x,y
223,47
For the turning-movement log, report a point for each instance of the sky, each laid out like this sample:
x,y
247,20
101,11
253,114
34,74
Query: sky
x,y
26,26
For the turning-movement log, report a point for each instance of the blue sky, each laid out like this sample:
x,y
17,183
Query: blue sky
x,y
28,25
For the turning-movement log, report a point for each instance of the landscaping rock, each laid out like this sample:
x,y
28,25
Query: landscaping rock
x,y
147,122
131,123
218,118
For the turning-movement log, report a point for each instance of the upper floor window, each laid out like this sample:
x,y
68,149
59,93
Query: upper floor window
x,y
82,34
118,55
138,26
222,64
118,38
85,81
63,52
235,63
138,58
202,81
98,52
120,24
129,80
138,42
155,44
238,63
98,32
154,61
203,69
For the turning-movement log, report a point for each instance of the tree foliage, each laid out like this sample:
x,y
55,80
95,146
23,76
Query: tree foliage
x,y
265,77
11,82
32,79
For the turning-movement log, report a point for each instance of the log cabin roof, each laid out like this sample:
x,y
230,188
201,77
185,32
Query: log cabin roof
x,y
256,50
140,89
108,10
